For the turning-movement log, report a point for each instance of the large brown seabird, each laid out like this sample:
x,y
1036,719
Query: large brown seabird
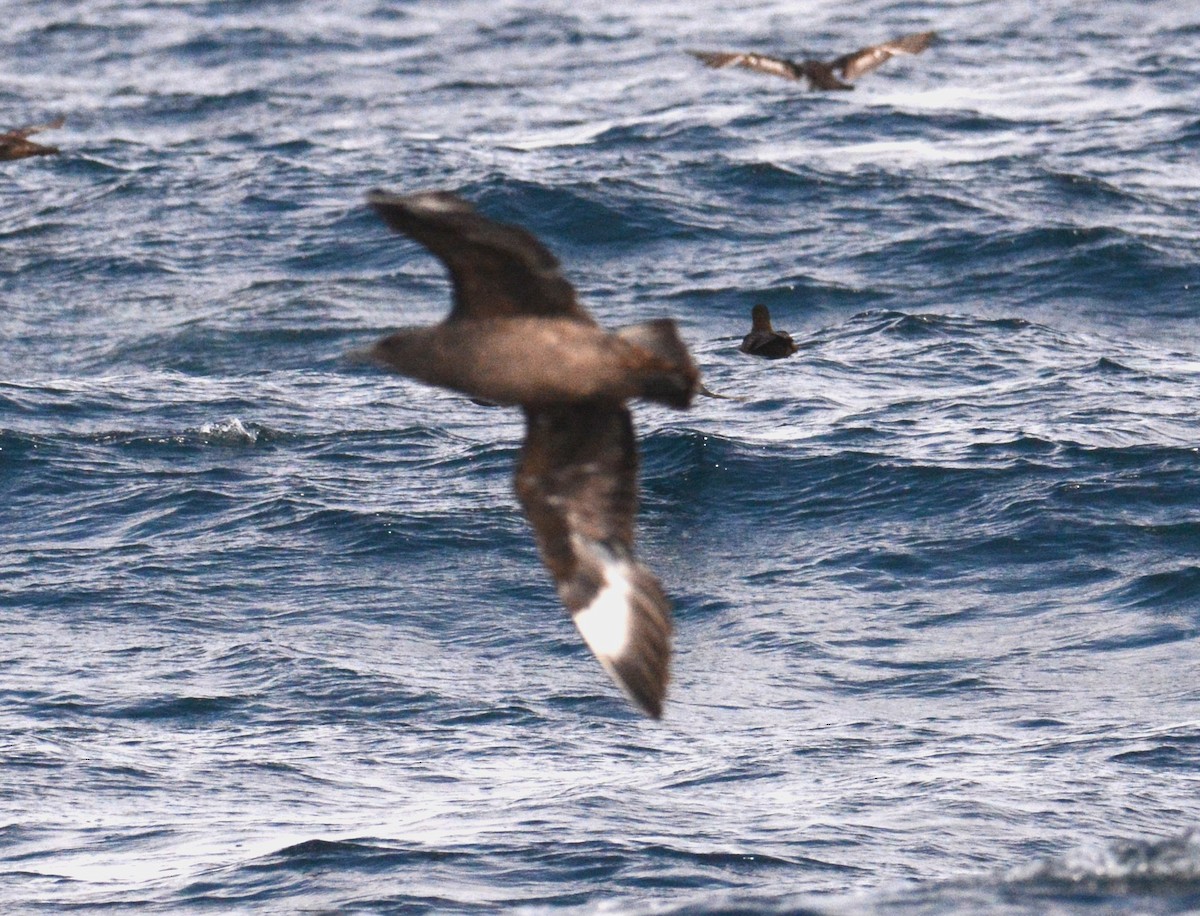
x,y
517,335
819,74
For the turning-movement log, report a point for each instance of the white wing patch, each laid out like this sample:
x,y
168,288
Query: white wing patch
x,y
607,623
626,623
438,202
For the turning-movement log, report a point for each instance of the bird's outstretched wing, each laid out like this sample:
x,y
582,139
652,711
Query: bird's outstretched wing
x,y
577,481
776,66
497,270
21,133
864,60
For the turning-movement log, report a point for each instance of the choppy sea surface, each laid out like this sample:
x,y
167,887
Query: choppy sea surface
x,y
275,635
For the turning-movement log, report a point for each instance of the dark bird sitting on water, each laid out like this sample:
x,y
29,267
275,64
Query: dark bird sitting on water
x,y
763,340
820,74
516,335
15,145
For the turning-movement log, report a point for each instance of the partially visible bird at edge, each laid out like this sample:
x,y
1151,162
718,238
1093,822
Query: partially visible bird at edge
x,y
15,144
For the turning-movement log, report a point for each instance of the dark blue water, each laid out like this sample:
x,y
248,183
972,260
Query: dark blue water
x,y
275,634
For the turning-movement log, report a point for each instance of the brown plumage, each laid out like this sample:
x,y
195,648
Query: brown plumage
x,y
516,335
763,340
834,74
14,144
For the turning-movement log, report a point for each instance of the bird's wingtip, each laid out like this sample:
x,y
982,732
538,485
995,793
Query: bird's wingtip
x,y
627,625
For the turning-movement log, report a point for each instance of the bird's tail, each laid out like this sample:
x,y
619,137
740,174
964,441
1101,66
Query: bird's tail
x,y
670,376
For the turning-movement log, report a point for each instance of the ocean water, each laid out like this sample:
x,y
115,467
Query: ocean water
x,y
275,634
